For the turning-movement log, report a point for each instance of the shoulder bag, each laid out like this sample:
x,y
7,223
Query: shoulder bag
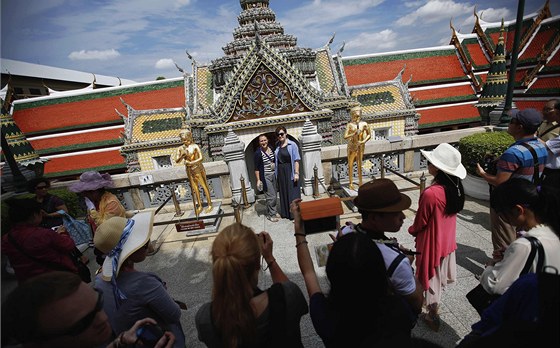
x,y
480,299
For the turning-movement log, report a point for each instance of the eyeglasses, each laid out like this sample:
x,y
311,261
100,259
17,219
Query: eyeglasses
x,y
280,134
41,187
83,323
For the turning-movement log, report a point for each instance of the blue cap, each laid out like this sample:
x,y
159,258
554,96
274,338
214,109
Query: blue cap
x,y
527,117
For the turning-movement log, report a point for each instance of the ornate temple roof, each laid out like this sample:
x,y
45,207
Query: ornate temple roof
x,y
67,129
467,61
257,19
81,131
495,87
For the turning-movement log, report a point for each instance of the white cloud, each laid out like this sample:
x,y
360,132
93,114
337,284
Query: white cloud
x,y
325,13
495,14
434,11
373,42
181,3
413,3
94,55
165,63
491,15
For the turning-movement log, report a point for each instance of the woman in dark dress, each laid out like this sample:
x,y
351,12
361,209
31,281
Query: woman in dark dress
x,y
287,171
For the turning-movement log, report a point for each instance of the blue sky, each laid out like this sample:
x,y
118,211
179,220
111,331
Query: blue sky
x,y
140,39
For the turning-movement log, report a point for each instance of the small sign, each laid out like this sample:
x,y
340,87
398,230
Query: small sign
x,y
190,226
146,179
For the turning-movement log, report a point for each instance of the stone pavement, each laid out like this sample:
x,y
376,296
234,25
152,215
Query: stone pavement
x,y
184,263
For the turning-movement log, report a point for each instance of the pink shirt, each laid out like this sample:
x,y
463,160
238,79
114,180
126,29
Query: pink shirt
x,y
435,233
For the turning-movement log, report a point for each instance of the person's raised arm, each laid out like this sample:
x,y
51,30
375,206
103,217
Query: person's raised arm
x,y
276,272
304,257
493,180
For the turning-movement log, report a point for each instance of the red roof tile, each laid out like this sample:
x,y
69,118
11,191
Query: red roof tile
x,y
536,45
83,162
547,83
421,69
525,104
477,56
75,139
440,93
555,61
446,114
100,110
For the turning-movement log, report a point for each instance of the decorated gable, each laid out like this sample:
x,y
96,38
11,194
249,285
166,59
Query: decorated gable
x,y
266,95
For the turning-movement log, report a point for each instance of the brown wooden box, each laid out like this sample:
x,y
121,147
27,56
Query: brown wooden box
x,y
321,215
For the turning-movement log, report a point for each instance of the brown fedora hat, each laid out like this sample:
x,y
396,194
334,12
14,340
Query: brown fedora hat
x,y
381,195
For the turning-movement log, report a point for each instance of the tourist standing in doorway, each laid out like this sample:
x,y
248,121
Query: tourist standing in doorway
x,y
266,180
435,227
287,171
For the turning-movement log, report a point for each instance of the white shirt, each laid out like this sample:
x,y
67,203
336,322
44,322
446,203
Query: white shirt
x,y
498,278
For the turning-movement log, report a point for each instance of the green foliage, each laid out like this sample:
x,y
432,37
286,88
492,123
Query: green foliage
x,y
70,198
475,148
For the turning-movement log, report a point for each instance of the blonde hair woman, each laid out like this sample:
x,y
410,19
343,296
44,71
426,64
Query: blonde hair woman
x,y
241,314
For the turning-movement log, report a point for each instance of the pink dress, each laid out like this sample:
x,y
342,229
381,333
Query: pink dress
x,y
435,239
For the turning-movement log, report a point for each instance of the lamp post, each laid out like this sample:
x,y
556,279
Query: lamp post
x,y
505,118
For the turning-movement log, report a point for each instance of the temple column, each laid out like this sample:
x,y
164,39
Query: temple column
x,y
234,155
310,141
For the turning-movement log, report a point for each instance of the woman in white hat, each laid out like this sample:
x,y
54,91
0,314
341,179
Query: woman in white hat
x,y
131,295
435,227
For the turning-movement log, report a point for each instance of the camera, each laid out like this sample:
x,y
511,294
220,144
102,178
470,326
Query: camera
x,y
489,163
149,335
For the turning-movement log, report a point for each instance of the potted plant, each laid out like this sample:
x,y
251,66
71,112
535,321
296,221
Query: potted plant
x,y
485,149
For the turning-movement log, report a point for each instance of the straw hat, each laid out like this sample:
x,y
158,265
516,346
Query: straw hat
x,y
447,159
109,233
91,181
381,195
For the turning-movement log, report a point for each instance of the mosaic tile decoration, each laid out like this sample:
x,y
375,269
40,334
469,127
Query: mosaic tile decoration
x,y
146,161
324,71
395,125
379,99
204,87
157,126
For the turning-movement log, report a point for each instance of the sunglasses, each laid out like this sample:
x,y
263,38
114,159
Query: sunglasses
x,y
280,134
83,323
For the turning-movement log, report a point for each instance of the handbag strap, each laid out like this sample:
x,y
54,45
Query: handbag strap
x,y
49,264
550,129
535,162
535,246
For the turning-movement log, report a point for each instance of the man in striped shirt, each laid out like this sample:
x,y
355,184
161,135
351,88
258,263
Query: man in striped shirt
x,y
516,162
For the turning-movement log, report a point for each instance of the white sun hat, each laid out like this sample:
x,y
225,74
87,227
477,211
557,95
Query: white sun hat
x,y
108,237
447,159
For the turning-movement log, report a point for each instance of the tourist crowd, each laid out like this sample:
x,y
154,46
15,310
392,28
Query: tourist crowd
x,y
377,289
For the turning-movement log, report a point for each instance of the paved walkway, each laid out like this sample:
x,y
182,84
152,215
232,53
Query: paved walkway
x,y
184,263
